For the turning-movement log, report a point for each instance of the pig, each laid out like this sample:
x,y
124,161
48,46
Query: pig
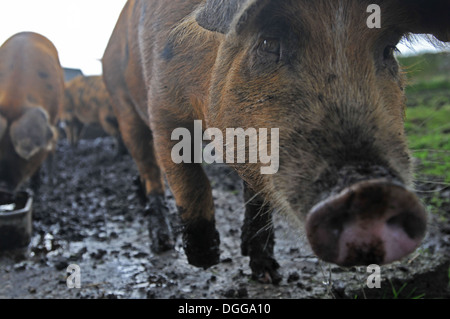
x,y
31,96
313,69
87,102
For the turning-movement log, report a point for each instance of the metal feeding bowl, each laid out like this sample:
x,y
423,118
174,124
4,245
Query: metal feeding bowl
x,y
15,220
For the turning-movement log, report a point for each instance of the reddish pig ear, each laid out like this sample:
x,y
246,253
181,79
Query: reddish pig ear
x,y
32,133
3,126
226,15
428,16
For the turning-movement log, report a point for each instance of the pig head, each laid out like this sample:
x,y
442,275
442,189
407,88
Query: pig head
x,y
333,86
25,144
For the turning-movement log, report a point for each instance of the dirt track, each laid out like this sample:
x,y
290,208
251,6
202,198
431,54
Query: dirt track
x,y
93,218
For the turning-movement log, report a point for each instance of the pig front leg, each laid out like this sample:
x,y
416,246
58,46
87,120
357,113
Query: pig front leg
x,y
138,139
193,195
258,239
47,168
50,164
36,181
159,227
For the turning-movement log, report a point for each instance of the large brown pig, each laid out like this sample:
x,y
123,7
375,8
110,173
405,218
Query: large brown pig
x,y
87,102
31,94
318,71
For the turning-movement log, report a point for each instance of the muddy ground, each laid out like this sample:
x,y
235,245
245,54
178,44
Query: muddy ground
x,y
92,217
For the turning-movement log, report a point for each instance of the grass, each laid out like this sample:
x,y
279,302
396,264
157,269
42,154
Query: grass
x,y
426,67
428,131
428,115
438,83
397,294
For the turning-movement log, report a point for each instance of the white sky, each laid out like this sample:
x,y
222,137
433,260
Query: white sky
x,y
80,29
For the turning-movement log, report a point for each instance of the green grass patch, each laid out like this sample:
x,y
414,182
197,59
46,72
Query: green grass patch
x,y
427,72
397,294
425,67
428,115
428,131
438,83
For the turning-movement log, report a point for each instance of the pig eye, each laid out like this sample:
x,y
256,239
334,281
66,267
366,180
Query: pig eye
x,y
389,51
270,46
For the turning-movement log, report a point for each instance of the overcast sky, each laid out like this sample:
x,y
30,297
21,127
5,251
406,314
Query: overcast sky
x,y
80,29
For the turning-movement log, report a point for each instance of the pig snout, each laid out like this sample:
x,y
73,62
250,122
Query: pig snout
x,y
371,222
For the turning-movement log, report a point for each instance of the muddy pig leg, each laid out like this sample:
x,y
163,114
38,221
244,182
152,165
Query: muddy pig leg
x,y
36,178
193,195
139,140
75,131
120,146
258,238
50,164
110,125
35,182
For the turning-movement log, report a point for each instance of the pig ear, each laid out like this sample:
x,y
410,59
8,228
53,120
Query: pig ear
x,y
32,133
429,16
226,15
3,126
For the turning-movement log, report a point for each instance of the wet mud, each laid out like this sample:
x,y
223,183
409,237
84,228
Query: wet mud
x,y
92,217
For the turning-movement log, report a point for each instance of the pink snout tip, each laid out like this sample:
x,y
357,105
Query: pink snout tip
x,y
371,222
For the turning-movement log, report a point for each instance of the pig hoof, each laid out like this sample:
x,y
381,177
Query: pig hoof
x,y
161,241
140,190
159,227
265,271
201,243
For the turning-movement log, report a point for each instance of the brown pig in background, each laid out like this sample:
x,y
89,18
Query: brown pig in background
x,y
31,93
313,69
87,102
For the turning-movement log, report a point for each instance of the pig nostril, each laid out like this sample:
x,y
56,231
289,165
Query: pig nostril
x,y
412,225
337,223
